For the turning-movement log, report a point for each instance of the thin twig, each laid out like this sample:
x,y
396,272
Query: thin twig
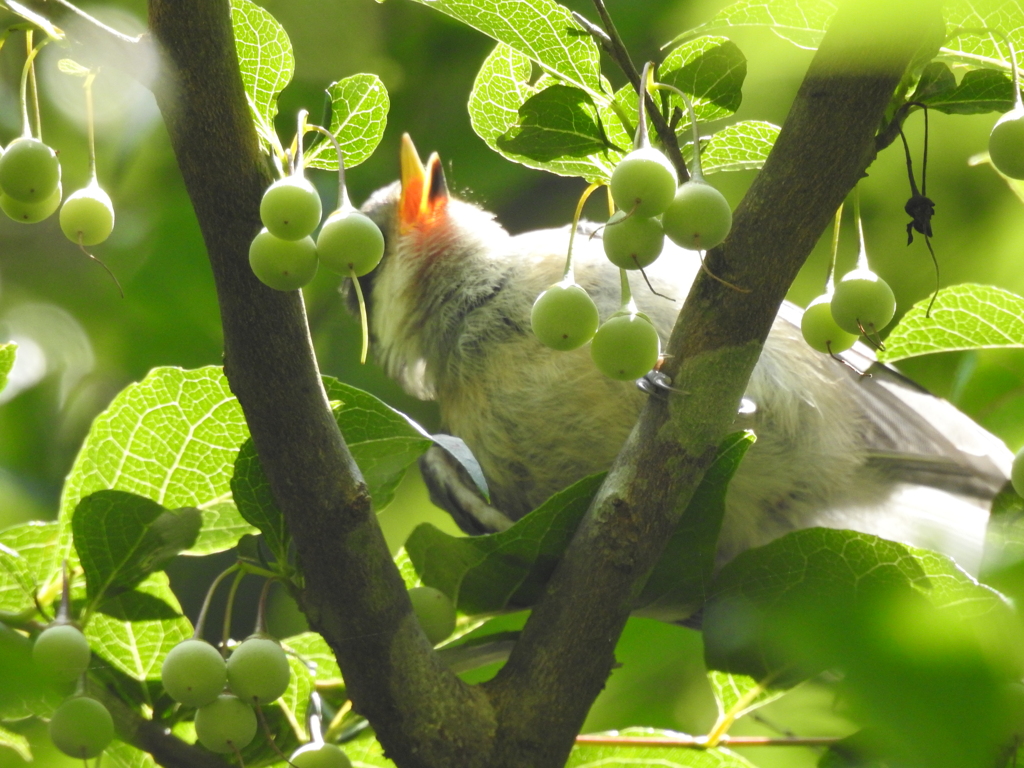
x,y
620,56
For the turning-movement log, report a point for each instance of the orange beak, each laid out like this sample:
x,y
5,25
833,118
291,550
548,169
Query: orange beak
x,y
424,197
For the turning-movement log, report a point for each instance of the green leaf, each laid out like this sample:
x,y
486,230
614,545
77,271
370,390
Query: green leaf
x,y
121,538
266,61
679,583
739,695
173,438
407,569
801,22
982,50
16,742
543,30
295,700
501,87
486,574
28,560
1004,536
365,750
798,595
137,646
383,441
741,146
967,316
560,121
359,114
711,70
124,755
311,648
633,756
980,90
7,354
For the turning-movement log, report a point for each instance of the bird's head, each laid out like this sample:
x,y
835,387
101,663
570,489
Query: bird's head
x,y
436,246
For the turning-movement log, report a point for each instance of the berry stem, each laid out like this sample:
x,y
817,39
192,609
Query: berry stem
x,y
698,174
26,126
303,114
642,140
314,719
34,87
261,608
90,123
626,301
862,256
226,627
197,633
363,322
568,273
64,610
830,275
343,201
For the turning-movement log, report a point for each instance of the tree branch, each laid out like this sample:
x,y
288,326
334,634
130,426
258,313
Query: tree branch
x,y
566,649
354,596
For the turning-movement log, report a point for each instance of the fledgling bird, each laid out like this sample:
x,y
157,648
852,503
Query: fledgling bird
x,y
449,311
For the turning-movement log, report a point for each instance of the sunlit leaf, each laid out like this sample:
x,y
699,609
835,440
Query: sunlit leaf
x,y
541,29
28,560
560,121
980,90
739,695
266,60
312,649
124,755
172,438
121,537
980,48
802,22
16,742
711,70
967,316
359,114
741,146
132,644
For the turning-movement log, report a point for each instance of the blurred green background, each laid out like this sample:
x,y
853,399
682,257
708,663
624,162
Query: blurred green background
x,y
80,343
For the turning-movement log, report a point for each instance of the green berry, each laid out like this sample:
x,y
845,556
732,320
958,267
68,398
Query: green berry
x,y
1017,473
626,347
226,724
319,756
87,216
863,300
291,208
61,652
820,330
643,182
194,673
284,265
29,171
1006,144
632,242
564,316
258,670
698,218
81,727
31,213
350,239
435,611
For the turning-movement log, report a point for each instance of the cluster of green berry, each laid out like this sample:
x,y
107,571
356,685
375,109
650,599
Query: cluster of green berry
x,y
651,205
30,191
81,726
861,303
285,257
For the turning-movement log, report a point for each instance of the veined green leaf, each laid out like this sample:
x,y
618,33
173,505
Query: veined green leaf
x,y
173,438
311,648
967,316
121,538
501,87
739,695
801,22
711,70
983,49
28,560
359,114
980,90
16,742
137,629
7,354
124,755
558,122
266,60
741,146
543,30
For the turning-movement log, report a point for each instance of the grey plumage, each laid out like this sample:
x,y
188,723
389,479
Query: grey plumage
x,y
450,319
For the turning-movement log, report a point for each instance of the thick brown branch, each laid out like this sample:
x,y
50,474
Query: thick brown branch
x,y
353,593
566,650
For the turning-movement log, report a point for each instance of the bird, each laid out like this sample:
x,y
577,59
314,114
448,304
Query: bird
x,y
841,443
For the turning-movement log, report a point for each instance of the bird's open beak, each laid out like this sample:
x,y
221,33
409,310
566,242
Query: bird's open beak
x,y
424,189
